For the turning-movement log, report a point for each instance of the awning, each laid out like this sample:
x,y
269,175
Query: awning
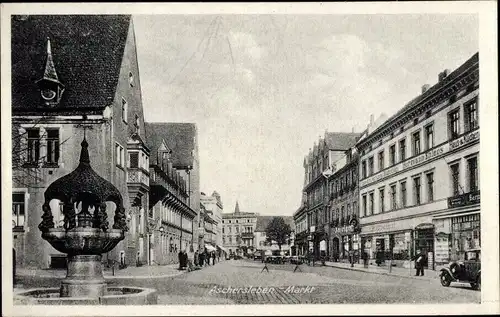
x,y
210,247
222,248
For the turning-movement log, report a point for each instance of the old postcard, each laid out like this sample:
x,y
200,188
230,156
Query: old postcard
x,y
242,159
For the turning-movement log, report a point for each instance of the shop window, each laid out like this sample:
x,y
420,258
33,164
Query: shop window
x,y
473,174
454,124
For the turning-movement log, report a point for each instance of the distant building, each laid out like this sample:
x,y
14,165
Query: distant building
x,y
213,206
419,174
75,76
182,140
260,234
238,231
171,221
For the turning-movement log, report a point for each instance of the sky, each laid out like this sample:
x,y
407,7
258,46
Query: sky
x,y
262,89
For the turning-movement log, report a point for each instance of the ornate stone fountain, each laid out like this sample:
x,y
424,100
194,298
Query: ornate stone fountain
x,y
84,237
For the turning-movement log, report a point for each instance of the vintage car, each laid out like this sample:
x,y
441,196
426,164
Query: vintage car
x,y
257,255
467,271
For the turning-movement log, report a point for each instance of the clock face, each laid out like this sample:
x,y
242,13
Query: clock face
x,y
48,94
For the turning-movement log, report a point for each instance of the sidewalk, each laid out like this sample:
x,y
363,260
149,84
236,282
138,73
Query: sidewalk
x,y
384,270
158,271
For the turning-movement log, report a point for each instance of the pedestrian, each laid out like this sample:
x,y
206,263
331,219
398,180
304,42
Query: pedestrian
x,y
190,260
202,259
195,258
419,263
207,257
179,255
213,257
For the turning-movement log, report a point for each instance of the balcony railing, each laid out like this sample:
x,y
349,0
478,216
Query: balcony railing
x,y
138,176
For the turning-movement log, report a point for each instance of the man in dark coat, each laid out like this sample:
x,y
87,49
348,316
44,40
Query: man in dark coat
x,y
213,257
419,263
202,259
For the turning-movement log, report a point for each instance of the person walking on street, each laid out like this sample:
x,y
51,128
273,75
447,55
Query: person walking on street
x,y
213,257
202,259
419,263
195,258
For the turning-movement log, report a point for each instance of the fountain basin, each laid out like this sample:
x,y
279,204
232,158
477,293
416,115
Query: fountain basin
x,y
83,240
115,295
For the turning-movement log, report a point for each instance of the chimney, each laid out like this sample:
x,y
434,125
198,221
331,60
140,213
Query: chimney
x,y
443,74
425,88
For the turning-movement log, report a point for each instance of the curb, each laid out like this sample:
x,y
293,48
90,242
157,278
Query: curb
x,y
380,273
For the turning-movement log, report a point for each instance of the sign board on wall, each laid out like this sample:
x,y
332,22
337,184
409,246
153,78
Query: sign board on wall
x,y
442,248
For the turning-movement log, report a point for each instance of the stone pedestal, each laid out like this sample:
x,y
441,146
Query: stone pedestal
x,y
84,277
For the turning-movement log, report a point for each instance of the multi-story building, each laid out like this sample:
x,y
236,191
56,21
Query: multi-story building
x,y
301,228
213,206
171,221
343,213
74,77
238,231
318,167
261,242
419,174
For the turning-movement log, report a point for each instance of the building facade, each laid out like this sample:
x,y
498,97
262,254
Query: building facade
x,y
238,231
261,243
172,221
75,77
318,169
214,208
419,174
343,216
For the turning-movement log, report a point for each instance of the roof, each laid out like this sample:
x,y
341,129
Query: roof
x,y
341,141
180,138
87,53
263,222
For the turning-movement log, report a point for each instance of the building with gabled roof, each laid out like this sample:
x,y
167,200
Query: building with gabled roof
x,y
238,231
76,76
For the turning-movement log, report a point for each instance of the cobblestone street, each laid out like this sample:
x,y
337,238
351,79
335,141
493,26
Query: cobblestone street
x,y
318,285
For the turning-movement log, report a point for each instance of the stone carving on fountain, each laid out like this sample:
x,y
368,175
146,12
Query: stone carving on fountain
x,y
86,233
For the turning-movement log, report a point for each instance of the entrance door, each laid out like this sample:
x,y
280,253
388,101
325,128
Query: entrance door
x,y
336,248
425,243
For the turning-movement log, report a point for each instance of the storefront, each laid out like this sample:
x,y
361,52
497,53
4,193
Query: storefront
x,y
344,241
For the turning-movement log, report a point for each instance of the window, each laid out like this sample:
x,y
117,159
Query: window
x,y
363,169
134,159
372,203
237,229
124,110
416,190
430,187
455,178
364,209
382,198
429,136
473,174
416,143
354,208
393,197
403,194
454,124
402,150
381,160
342,214
33,146
471,116
370,166
18,209
52,146
119,155
392,154
229,229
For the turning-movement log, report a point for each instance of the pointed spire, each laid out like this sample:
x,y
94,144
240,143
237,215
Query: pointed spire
x,y
84,154
50,70
237,208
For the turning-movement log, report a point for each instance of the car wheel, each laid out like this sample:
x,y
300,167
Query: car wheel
x,y
445,279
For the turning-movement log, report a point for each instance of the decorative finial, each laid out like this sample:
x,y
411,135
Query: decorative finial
x,y
84,155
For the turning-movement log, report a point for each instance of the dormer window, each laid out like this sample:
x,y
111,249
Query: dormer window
x,y
51,89
124,110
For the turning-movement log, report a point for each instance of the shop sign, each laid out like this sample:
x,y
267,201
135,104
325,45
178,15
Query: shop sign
x,y
380,227
452,145
345,229
464,200
455,144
